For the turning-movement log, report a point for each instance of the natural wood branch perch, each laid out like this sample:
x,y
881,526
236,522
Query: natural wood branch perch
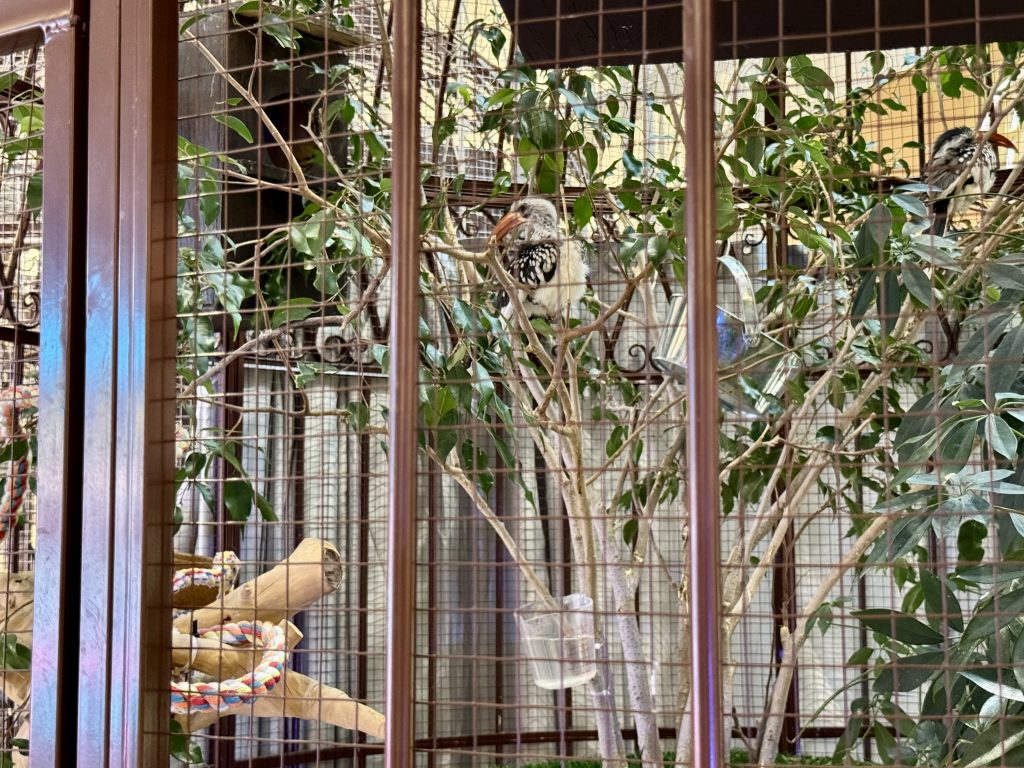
x,y
300,696
296,696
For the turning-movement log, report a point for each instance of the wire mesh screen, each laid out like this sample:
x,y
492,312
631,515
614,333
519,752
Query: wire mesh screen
x,y
21,163
869,339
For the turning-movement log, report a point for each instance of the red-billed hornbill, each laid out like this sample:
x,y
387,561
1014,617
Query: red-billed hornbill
x,y
548,269
954,150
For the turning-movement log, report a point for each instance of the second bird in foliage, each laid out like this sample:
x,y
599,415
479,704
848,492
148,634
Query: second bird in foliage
x,y
954,151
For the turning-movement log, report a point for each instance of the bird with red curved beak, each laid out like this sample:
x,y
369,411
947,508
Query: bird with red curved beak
x,y
548,270
955,151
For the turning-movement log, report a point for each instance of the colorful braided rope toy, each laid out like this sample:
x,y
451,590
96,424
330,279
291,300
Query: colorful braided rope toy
x,y
220,576
194,698
13,401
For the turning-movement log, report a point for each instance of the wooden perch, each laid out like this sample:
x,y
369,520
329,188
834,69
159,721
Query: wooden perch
x,y
310,572
222,660
300,696
313,570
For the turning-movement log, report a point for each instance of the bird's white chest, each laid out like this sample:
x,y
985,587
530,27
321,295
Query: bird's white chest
x,y
566,286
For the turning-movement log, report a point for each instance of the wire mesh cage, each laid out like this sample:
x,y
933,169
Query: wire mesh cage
x,y
21,161
868,344
621,383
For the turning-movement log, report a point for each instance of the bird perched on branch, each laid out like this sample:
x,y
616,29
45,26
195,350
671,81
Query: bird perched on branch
x,y
548,269
954,151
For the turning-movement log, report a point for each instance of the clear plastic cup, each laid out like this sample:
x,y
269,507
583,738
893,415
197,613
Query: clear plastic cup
x,y
558,638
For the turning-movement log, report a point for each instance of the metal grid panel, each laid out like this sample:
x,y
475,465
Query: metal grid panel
x,y
551,442
22,84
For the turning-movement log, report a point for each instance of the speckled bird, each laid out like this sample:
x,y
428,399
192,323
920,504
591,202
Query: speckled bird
x,y
953,151
548,269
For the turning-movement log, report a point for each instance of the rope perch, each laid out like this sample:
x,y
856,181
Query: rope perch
x,y
195,698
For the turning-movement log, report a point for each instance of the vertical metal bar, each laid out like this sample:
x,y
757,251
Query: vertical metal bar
x,y
702,384
145,384
100,319
59,465
401,567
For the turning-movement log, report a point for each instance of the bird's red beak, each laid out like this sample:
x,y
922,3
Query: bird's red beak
x,y
506,224
1001,141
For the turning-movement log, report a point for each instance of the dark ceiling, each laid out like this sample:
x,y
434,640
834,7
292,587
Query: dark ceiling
x,y
576,32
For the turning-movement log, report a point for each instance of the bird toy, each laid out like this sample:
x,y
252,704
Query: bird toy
x,y
220,576
194,698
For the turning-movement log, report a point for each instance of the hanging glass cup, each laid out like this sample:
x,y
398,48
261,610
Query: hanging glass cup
x,y
558,638
752,368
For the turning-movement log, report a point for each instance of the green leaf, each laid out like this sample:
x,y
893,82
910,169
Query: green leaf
x,y
916,281
235,125
903,501
582,211
206,492
280,30
955,448
991,745
872,235
14,655
1005,275
906,535
237,498
860,657
541,129
940,601
615,440
1017,657
265,507
34,192
630,530
898,625
526,153
991,573
1004,364
1002,690
992,614
950,82
912,205
864,296
889,301
809,76
1000,436
909,673
633,166
298,308
181,746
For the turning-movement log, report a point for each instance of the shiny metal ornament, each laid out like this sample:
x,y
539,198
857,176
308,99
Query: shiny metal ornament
x,y
753,368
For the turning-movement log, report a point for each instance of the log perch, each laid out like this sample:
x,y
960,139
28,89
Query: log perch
x,y
313,570
303,697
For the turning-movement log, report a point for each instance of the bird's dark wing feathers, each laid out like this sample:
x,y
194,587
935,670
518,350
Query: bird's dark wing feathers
x,y
534,265
530,265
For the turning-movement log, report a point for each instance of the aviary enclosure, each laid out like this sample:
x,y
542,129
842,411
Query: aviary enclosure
x,y
490,384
